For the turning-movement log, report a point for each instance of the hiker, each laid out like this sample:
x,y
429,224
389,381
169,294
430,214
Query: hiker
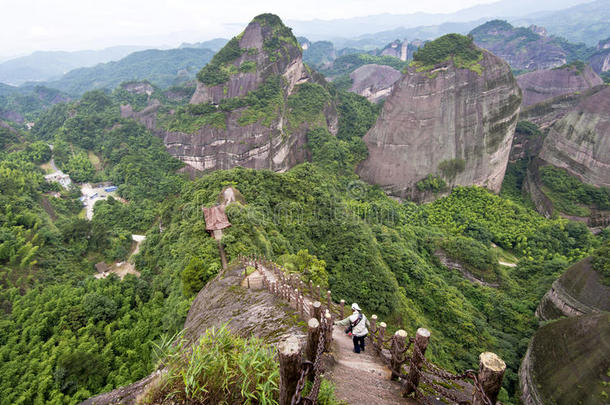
x,y
356,327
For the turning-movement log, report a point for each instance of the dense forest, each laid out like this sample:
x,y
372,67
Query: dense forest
x,y
65,335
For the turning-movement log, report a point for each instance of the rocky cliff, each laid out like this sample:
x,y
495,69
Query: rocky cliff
x,y
374,81
452,119
567,361
523,48
546,113
545,84
253,105
600,60
580,141
578,291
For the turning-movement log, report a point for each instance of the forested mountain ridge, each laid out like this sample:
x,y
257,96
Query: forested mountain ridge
x,y
163,68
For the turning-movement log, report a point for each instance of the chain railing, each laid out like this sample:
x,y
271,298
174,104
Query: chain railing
x,y
405,357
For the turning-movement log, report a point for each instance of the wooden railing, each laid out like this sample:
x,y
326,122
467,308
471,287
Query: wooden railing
x,y
404,356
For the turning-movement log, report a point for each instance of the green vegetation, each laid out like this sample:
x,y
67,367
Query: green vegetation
x,y
71,336
577,65
348,63
307,104
248,67
163,68
219,69
222,368
193,117
356,115
451,168
606,77
522,38
459,49
263,103
431,183
571,196
319,53
27,104
281,35
526,133
477,257
601,262
63,332
219,368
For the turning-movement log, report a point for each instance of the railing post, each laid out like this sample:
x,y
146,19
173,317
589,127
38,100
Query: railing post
x,y
342,310
491,372
381,337
399,341
311,288
329,330
318,292
289,352
317,310
302,307
422,337
328,299
313,334
373,323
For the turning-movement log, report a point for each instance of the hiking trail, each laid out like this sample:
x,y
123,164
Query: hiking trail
x,y
359,378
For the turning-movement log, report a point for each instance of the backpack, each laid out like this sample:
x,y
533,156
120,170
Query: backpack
x,y
356,322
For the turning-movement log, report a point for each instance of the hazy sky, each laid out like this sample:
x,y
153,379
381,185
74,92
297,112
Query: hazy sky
x,y
28,25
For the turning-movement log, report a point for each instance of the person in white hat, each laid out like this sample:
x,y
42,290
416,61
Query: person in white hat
x,y
357,327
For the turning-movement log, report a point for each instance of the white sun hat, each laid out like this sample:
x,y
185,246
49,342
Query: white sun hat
x,y
356,307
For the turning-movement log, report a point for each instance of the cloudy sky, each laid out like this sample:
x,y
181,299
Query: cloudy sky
x,y
28,25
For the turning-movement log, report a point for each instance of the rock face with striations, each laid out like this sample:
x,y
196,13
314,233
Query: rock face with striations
x,y
254,103
545,84
580,141
600,60
454,119
578,291
566,362
374,81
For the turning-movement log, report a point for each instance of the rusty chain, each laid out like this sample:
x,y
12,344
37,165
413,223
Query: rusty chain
x,y
305,370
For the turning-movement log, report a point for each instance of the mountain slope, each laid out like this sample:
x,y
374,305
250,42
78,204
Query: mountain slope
x,y
161,68
254,104
41,66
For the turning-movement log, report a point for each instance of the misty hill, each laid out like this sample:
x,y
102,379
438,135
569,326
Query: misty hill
x,y
527,48
19,104
586,23
352,27
215,44
40,66
161,68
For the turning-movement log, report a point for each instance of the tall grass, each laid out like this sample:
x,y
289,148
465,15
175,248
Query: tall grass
x,y
220,369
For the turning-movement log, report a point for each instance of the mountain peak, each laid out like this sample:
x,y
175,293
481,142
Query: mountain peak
x,y
265,47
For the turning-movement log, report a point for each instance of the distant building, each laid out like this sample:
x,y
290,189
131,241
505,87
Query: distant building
x,y
101,267
59,177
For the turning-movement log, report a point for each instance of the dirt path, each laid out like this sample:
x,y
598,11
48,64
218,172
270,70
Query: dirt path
x,y
361,378
358,378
